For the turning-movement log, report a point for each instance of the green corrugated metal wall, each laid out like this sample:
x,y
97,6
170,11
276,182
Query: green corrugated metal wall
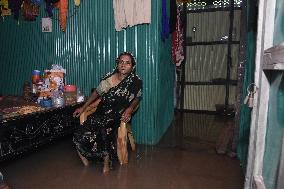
x,y
278,36
275,129
245,113
245,117
88,50
275,120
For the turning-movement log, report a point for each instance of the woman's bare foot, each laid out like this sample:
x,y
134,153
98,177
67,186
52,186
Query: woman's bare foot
x,y
83,159
106,165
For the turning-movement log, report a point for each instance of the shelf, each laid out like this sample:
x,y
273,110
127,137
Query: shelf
x,y
211,9
189,43
276,66
216,82
273,58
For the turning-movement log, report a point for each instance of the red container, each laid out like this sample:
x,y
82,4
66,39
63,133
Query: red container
x,y
70,88
70,94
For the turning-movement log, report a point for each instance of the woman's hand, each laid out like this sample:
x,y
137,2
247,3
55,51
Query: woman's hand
x,y
78,112
126,116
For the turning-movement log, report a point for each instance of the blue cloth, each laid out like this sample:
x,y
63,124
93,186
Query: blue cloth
x,y
165,21
36,2
15,6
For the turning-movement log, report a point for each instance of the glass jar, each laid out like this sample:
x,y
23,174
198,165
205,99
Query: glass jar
x,y
70,97
70,94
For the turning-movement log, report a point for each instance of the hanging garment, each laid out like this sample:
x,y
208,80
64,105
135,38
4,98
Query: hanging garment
x,y
62,5
165,21
49,6
4,8
36,2
15,6
4,4
77,2
29,10
178,41
131,12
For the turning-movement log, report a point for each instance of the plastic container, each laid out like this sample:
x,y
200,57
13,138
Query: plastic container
x,y
57,102
57,98
70,97
46,103
35,76
70,88
70,94
80,96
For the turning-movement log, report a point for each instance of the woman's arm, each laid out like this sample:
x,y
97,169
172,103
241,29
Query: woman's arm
x,y
80,110
126,116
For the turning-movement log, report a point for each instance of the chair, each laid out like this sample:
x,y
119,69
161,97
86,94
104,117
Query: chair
x,y
122,158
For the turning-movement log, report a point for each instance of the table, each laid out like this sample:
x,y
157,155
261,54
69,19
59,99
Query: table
x,y
22,134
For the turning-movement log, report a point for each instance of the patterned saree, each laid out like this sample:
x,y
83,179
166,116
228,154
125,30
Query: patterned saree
x,y
97,137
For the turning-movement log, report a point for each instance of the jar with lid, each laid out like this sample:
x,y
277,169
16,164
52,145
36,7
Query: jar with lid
x,y
70,94
57,98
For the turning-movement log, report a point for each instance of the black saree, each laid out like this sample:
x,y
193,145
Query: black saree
x,y
97,137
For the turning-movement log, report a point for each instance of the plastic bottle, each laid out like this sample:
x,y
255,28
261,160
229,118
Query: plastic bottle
x,y
80,96
35,76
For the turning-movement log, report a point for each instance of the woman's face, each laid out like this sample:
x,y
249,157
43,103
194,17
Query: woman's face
x,y
124,65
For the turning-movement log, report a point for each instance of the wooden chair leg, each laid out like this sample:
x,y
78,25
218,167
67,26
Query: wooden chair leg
x,y
131,137
122,152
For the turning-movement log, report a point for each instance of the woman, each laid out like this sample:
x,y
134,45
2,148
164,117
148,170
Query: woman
x,y
120,92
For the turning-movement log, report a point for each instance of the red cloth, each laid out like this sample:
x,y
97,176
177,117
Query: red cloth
x,y
178,41
62,5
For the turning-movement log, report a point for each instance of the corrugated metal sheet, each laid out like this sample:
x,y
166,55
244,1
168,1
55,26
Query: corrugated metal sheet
x,y
205,97
87,50
278,36
212,26
206,63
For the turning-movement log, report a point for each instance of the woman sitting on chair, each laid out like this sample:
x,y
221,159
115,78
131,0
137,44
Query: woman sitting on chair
x,y
120,92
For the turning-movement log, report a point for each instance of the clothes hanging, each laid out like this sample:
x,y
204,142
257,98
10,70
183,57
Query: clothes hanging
x,y
178,40
15,6
62,5
131,12
29,10
165,21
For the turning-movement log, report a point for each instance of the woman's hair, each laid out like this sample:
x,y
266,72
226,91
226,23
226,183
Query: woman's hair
x,y
133,61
